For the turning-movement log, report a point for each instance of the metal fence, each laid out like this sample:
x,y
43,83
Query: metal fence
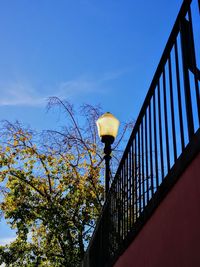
x,y
167,125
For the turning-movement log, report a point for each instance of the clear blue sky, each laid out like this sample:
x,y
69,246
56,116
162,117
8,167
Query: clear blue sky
x,y
98,52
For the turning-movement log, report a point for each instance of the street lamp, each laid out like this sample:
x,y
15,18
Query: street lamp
x,y
107,126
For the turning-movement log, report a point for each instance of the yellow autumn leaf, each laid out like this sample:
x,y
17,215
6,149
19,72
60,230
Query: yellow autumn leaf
x,y
16,142
7,149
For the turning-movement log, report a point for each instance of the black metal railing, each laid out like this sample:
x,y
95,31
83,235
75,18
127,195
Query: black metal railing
x,y
167,124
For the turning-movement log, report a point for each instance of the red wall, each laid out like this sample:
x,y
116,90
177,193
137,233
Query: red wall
x,y
171,237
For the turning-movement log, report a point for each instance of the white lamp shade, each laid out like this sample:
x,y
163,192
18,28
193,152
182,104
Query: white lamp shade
x,y
107,125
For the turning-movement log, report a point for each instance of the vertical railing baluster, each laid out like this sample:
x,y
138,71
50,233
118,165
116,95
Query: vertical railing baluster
x,y
136,178
124,195
166,120
116,217
179,96
109,228
123,200
130,185
139,171
155,139
121,205
160,132
146,157
188,100
127,193
119,209
133,183
113,216
109,207
193,59
127,206
143,178
151,151
172,108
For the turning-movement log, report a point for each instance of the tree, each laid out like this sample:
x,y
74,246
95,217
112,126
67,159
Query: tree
x,y
52,189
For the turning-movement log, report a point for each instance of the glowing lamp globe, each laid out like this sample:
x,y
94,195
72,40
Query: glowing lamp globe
x,y
107,126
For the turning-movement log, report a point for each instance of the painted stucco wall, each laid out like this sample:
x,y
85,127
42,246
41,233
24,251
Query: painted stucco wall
x,y
171,237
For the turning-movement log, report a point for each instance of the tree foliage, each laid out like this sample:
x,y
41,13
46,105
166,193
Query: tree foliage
x,y
52,190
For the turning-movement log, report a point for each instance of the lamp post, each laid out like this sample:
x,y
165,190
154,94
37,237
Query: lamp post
x,y
107,126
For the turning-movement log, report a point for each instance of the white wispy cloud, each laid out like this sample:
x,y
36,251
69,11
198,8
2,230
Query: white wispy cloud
x,y
22,94
86,85
77,87
19,93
